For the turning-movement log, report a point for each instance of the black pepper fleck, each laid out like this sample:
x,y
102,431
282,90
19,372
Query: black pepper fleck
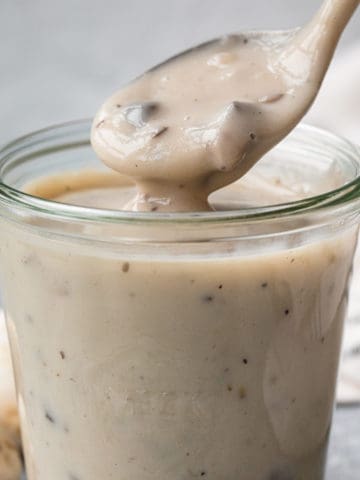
x,y
202,474
220,287
62,354
154,209
160,132
245,361
229,387
287,311
264,284
49,417
126,267
252,136
208,298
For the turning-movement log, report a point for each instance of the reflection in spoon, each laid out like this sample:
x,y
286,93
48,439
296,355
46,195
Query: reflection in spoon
x,y
202,119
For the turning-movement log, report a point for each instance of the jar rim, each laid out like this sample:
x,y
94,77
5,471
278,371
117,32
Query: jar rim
x,y
345,195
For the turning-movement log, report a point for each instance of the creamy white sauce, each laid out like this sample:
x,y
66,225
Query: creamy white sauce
x,y
203,119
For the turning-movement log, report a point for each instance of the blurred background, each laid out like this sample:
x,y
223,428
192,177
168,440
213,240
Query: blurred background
x,y
60,59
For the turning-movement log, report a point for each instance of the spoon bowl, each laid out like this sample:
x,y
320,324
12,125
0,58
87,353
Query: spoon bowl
x,y
202,118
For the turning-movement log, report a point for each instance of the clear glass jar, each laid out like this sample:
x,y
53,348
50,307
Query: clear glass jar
x,y
153,346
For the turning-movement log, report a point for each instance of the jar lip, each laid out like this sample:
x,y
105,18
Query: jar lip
x,y
341,196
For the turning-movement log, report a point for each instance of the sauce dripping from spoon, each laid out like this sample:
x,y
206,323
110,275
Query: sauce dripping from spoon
x,y
202,119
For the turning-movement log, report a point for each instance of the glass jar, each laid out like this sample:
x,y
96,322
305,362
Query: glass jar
x,y
153,346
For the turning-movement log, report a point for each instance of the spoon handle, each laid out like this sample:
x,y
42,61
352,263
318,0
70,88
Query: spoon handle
x,y
335,14
317,41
